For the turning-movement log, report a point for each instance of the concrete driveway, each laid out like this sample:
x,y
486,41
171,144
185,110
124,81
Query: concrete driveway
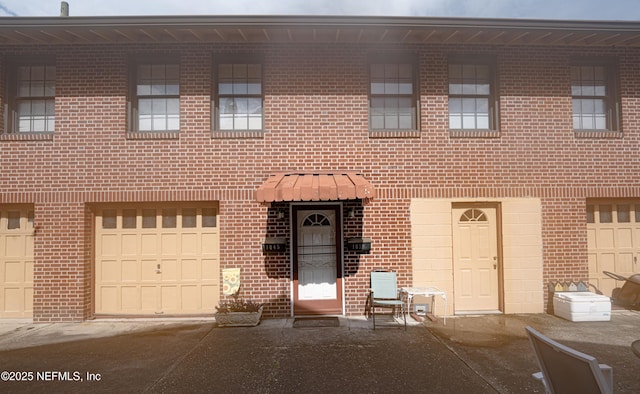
x,y
496,346
471,354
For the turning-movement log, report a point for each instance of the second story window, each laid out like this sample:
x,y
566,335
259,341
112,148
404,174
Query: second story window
x,y
239,94
472,98
156,97
392,94
32,93
593,91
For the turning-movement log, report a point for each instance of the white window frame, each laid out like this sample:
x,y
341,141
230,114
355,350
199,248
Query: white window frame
x,y
37,90
155,95
239,86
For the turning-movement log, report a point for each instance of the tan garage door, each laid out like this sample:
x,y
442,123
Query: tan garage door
x,y
613,231
157,259
16,262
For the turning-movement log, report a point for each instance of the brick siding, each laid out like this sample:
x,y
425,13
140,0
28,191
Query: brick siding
x,y
316,118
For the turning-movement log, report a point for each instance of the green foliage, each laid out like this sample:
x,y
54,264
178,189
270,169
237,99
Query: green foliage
x,y
237,304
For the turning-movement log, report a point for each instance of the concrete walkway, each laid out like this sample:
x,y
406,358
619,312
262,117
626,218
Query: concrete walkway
x,y
496,346
481,354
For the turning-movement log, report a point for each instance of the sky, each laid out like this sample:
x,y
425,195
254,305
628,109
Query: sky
x,y
628,10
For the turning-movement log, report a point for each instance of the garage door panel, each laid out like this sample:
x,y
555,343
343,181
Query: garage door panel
x,y
605,283
12,299
606,238
190,296
209,269
110,245
624,238
209,296
170,298
16,261
593,262
28,271
169,244
615,244
110,271
17,301
624,262
170,270
149,298
130,296
607,261
130,271
129,244
28,300
148,272
210,244
166,269
592,236
14,272
149,244
28,252
189,244
15,246
189,270
109,298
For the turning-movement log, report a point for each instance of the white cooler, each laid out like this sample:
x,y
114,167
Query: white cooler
x,y
582,306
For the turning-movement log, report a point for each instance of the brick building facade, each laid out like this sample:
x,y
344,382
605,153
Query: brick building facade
x,y
107,208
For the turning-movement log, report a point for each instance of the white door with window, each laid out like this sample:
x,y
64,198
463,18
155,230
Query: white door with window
x,y
317,279
475,254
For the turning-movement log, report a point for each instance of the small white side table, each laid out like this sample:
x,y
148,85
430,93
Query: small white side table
x,y
427,292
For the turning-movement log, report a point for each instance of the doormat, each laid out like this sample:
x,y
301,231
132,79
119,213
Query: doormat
x,y
315,322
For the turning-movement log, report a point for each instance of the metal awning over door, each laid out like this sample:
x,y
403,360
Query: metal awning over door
x,y
330,186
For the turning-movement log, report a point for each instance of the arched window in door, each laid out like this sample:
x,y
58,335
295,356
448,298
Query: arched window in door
x,y
473,215
316,219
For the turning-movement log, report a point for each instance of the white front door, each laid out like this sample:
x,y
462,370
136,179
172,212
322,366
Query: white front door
x,y
317,279
475,253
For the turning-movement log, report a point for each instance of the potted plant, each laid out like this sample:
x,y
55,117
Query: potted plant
x,y
238,312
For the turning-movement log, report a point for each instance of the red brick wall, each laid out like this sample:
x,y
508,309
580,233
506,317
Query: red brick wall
x,y
60,274
316,112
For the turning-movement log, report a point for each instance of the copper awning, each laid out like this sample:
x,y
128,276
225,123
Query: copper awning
x,y
331,186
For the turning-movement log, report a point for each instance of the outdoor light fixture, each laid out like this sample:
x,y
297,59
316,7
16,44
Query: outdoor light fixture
x,y
351,213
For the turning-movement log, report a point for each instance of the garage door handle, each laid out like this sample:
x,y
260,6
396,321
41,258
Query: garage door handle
x,y
158,270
